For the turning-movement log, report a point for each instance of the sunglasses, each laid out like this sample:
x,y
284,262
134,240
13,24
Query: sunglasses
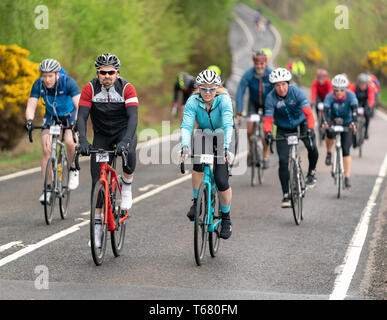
x,y
207,89
339,90
104,73
259,63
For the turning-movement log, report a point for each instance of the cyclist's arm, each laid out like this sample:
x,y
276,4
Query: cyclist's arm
x,y
187,123
73,92
313,91
269,116
228,120
131,105
176,90
32,103
306,109
371,96
240,94
83,111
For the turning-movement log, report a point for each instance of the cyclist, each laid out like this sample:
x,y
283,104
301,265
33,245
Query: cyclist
x,y
219,72
298,70
211,106
112,104
340,103
376,83
256,79
365,94
60,95
184,83
288,107
320,87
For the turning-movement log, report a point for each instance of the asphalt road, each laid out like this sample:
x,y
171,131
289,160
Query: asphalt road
x,y
267,257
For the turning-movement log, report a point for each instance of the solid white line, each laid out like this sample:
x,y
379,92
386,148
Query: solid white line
x,y
41,243
351,259
9,245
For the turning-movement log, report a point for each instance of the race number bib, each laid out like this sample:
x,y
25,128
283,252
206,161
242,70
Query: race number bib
x,y
254,118
102,157
207,158
55,130
292,140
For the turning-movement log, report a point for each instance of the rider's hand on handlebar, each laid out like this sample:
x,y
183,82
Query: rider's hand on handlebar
x,y
353,127
310,133
325,125
28,125
268,138
230,157
122,145
184,154
84,148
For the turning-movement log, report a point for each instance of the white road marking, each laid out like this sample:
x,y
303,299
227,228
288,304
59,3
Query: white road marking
x,y
9,245
351,259
41,243
147,187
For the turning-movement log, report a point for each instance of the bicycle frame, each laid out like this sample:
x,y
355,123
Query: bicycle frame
x,y
209,179
108,214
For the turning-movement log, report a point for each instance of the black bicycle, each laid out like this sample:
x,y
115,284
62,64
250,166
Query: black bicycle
x,y
256,140
297,185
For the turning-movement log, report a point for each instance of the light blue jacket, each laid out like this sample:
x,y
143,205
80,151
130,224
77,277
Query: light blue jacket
x,y
219,117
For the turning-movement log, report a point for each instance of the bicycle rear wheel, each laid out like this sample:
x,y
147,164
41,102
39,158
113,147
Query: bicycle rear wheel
x,y
295,192
49,188
64,197
118,236
97,221
213,237
200,224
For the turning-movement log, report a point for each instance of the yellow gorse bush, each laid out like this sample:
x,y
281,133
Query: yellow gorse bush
x,y
305,47
17,75
377,60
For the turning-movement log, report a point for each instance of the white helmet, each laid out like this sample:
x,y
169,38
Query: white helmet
x,y
363,77
49,65
208,77
340,81
280,75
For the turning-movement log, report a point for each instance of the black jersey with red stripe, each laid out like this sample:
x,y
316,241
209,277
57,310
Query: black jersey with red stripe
x,y
108,106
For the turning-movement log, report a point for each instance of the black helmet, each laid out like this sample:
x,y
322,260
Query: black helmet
x,y
107,59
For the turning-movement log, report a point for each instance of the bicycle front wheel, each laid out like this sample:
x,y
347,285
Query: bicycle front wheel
x,y
295,192
260,161
339,174
64,176
98,227
254,161
49,190
200,224
118,236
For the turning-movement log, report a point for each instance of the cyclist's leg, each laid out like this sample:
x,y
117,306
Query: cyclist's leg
x,y
266,151
312,149
283,155
197,178
346,142
68,139
225,196
46,144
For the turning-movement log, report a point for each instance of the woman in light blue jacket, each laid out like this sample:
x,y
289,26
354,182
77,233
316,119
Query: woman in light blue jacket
x,y
211,106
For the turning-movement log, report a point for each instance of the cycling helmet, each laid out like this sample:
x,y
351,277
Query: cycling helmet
x,y
215,68
208,77
107,59
321,73
49,65
363,78
280,75
259,56
340,81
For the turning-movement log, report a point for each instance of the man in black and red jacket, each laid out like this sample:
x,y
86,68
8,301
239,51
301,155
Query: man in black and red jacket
x,y
112,104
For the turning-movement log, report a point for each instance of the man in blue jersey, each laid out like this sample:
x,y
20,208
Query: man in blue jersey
x,y
256,79
341,103
60,95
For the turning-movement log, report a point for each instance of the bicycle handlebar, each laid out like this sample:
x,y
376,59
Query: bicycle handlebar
x,y
47,126
123,155
285,136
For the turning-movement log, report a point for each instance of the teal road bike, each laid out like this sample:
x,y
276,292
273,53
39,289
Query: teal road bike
x,y
207,221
